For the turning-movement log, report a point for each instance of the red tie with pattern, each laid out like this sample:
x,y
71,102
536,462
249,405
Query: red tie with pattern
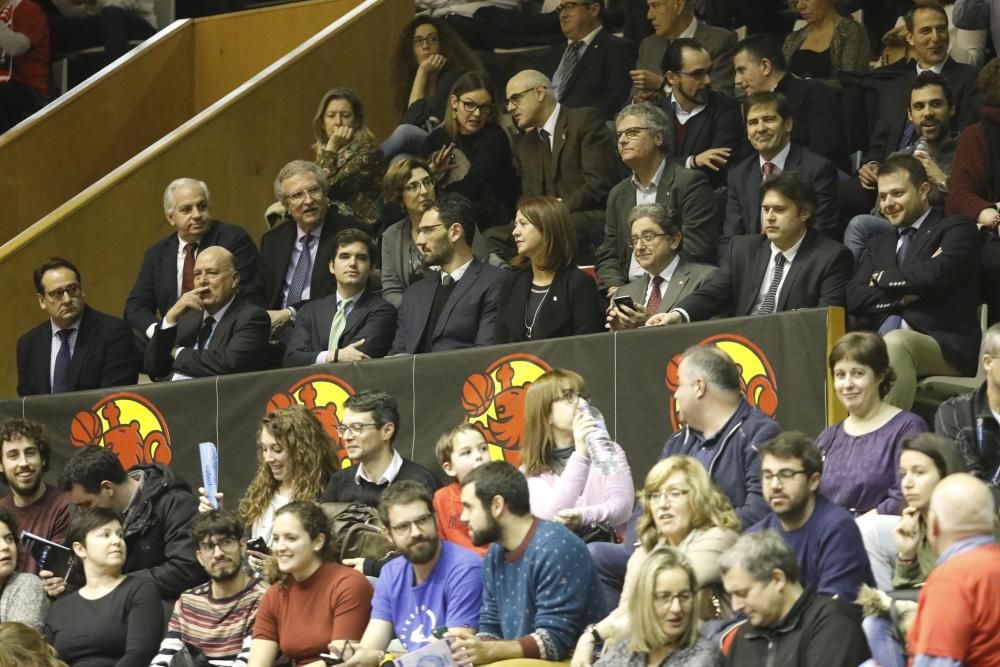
x,y
654,296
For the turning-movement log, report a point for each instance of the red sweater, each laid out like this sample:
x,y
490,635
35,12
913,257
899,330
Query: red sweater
x,y
32,67
967,186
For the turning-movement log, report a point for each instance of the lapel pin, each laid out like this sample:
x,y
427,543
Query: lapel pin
x,y
563,137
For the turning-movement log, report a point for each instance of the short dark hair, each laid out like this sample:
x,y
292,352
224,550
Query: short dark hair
x,y
87,520
715,365
768,98
908,17
403,493
16,428
794,445
454,209
760,554
662,215
217,522
932,78
315,522
349,236
499,478
673,57
381,404
901,163
868,349
50,264
790,185
939,449
761,47
8,520
89,467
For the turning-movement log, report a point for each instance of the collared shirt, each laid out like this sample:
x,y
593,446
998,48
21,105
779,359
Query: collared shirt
x,y
294,260
769,274
683,117
587,39
387,477
348,307
181,245
667,274
778,160
457,274
933,68
644,195
217,316
57,343
550,124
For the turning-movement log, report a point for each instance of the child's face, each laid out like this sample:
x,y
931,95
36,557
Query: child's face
x,y
468,453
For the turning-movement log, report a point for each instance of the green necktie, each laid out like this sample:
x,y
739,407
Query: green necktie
x,y
338,325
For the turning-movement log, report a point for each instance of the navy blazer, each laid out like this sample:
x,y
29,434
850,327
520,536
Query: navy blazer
x,y
468,318
104,355
600,79
155,288
571,307
719,125
372,318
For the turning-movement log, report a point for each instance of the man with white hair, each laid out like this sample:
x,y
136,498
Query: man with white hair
x,y
958,618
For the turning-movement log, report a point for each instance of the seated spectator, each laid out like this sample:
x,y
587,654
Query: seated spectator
x,y
969,419
460,450
563,152
918,284
787,622
351,324
590,67
407,184
91,349
114,619
823,536
436,584
978,15
828,44
672,20
212,329
347,153
571,483
643,133
215,619
546,296
77,24
681,509
24,68
761,68
656,242
158,509
532,607
469,154
295,460
22,597
861,453
664,627
975,185
770,127
708,129
313,600
23,646
754,279
428,319
38,508
164,275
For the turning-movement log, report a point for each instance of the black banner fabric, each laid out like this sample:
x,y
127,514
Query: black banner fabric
x,y
631,377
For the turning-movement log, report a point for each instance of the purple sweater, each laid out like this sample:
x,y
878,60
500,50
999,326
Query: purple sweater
x,y
862,473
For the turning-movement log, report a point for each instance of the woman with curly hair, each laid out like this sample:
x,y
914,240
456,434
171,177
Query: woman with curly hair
x,y
23,646
295,459
22,598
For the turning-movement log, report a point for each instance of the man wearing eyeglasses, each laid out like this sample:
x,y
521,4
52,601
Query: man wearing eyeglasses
x,y
77,347
824,537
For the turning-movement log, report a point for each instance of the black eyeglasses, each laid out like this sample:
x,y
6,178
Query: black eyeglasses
x,y
471,107
630,134
60,293
225,543
429,40
783,475
698,74
515,99
571,5
645,237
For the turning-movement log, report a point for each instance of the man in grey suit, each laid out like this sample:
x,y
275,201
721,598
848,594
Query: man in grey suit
x,y
667,275
352,323
643,132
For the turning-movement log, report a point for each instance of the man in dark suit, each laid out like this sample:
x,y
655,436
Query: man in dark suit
x,y
708,127
769,129
168,266
456,307
643,141
78,347
919,283
760,68
667,277
589,69
351,324
292,265
563,152
211,330
788,267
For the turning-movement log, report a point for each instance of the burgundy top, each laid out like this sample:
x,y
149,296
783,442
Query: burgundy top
x,y
47,517
967,185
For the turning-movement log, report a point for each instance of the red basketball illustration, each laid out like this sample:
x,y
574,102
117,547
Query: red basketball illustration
x,y
85,429
477,394
672,378
279,401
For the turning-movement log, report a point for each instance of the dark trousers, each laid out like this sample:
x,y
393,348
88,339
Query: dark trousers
x,y
17,102
990,257
113,28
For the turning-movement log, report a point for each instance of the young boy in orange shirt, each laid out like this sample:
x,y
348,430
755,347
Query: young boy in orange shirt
x,y
460,450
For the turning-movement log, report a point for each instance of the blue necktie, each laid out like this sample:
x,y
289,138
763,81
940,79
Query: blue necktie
x,y
60,375
303,269
893,322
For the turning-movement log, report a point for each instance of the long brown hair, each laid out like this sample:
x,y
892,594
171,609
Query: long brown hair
x,y
467,83
404,62
551,218
349,96
539,441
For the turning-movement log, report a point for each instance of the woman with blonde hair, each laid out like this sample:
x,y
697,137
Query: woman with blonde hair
x,y
23,646
828,44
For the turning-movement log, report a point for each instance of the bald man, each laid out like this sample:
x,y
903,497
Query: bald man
x,y
958,617
210,330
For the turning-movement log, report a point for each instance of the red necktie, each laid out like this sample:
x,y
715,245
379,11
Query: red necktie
x,y
654,296
187,273
768,169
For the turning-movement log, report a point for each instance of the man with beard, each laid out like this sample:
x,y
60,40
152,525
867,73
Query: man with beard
x,y
430,319
824,536
540,588
37,507
215,618
435,584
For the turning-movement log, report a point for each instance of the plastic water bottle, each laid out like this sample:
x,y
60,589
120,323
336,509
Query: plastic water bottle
x,y
603,451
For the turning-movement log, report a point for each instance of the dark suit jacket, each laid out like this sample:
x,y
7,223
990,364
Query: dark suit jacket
x,y
468,318
719,42
104,355
816,115
688,192
580,170
276,252
816,279
948,285
570,308
600,79
372,318
743,195
238,344
719,125
687,278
